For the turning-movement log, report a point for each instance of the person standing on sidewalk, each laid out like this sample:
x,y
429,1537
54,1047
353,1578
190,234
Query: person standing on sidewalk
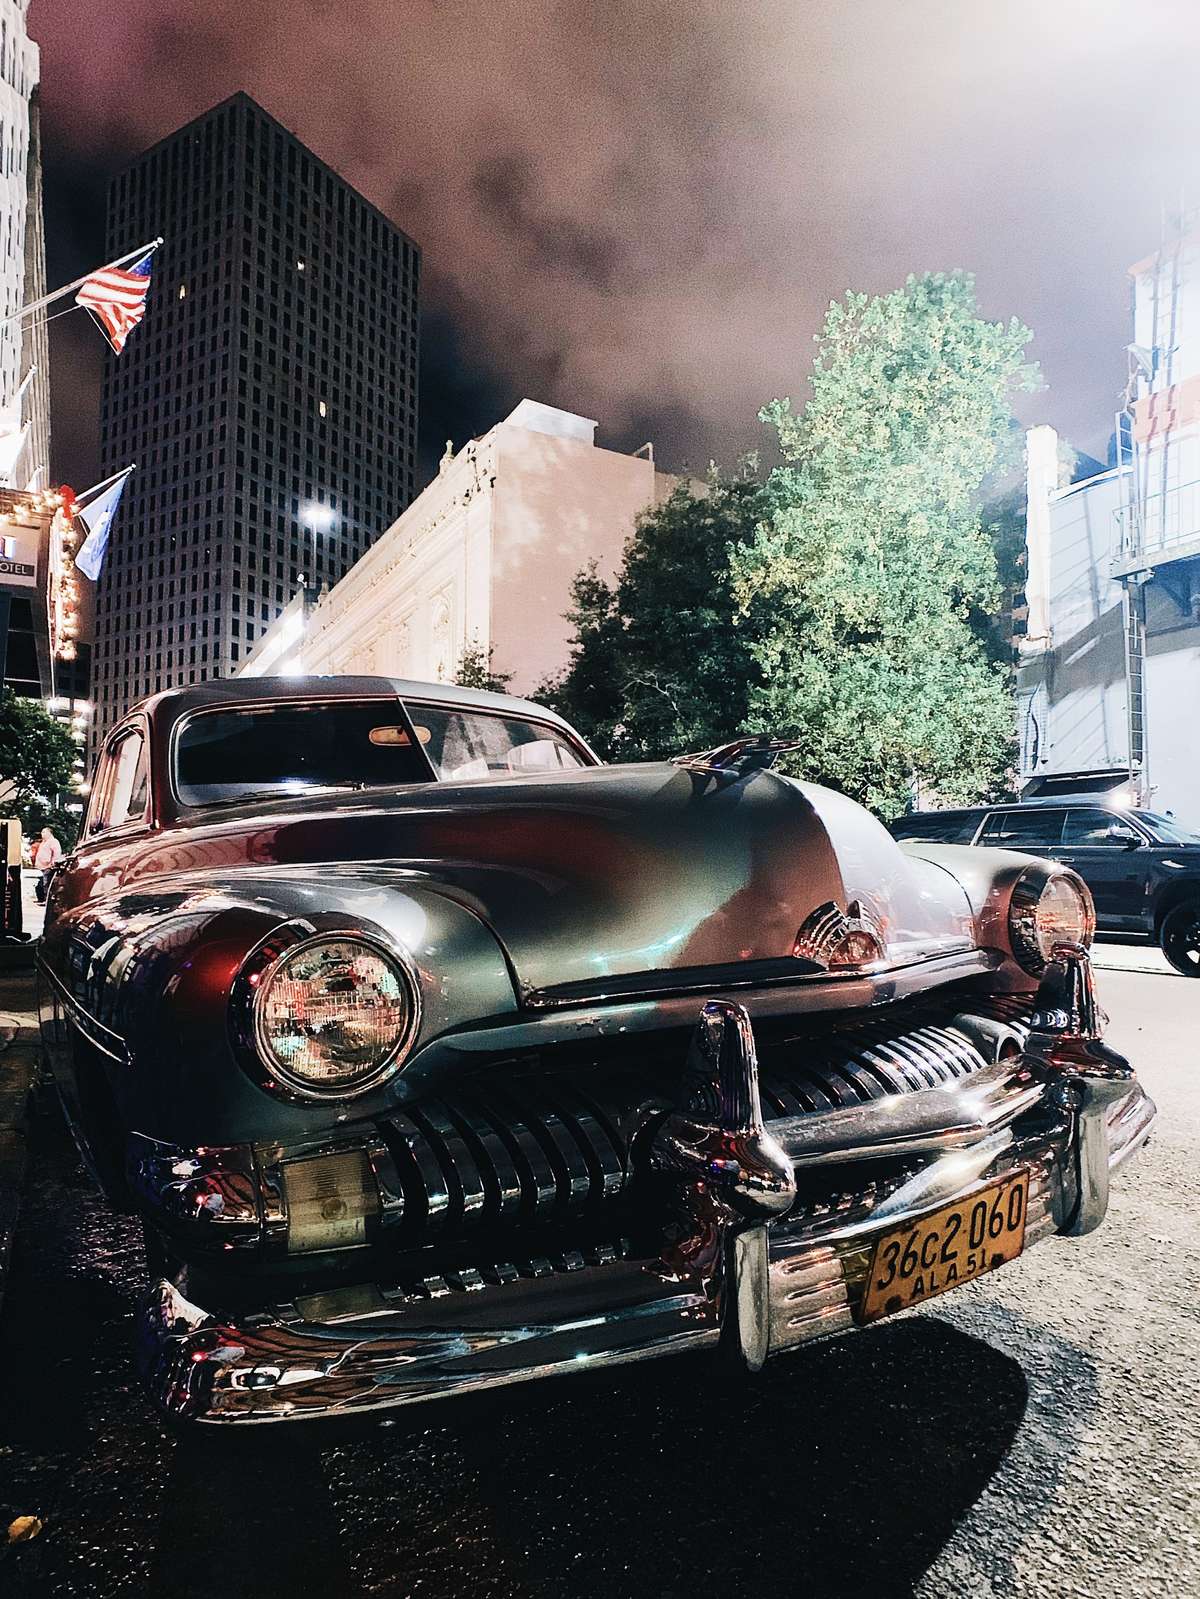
x,y
47,853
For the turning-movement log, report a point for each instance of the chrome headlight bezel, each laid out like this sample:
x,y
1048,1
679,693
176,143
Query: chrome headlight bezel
x,y
1027,897
252,984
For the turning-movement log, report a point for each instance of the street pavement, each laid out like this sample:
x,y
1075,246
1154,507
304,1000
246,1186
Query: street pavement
x,y
1035,1434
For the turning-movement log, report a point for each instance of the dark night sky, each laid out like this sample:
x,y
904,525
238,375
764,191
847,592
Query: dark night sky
x,y
639,209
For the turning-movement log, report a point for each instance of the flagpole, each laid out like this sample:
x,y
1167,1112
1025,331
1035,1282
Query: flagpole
x,y
107,484
109,266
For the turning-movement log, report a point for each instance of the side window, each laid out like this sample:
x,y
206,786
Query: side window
x,y
1099,827
126,781
1033,830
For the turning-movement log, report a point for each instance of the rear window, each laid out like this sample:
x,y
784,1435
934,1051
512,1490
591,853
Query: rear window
x,y
1033,830
940,827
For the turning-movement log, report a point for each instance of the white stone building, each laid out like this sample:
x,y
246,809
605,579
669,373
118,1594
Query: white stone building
x,y
1109,682
483,558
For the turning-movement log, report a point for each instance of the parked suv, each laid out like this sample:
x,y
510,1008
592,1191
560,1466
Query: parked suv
x,y
1143,870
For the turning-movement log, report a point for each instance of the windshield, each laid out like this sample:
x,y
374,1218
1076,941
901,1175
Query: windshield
x,y
272,751
1166,830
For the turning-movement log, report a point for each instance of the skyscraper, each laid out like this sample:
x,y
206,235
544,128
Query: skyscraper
x,y
268,398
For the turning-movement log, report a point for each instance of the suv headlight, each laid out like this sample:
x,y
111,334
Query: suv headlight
x,y
1048,907
332,1014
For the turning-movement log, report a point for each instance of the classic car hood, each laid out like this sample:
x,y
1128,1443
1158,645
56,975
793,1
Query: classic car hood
x,y
599,875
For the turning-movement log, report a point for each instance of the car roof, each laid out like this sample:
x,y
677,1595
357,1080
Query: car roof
x,y
247,690
166,710
1056,802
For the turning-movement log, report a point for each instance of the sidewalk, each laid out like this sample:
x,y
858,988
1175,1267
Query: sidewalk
x,y
18,1057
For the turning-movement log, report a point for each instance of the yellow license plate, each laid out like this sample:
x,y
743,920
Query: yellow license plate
x,y
961,1241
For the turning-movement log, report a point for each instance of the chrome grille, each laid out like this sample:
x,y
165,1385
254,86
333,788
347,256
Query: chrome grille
x,y
868,1062
539,1147
536,1149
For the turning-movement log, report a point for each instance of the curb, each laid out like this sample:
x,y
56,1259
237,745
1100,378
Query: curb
x,y
18,1064
16,1078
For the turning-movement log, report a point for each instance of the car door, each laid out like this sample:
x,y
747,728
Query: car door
x,y
1108,851
1035,829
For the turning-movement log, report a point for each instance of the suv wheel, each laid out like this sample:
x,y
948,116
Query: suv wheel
x,y
1180,938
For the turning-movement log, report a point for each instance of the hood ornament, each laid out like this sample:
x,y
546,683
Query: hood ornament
x,y
841,940
738,758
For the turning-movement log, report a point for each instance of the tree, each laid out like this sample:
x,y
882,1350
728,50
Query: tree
x,y
475,670
659,663
1003,522
37,756
862,581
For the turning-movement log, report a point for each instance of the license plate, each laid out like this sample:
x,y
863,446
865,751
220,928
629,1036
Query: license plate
x,y
961,1241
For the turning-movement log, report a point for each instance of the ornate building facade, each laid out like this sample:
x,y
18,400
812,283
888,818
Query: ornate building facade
x,y
481,561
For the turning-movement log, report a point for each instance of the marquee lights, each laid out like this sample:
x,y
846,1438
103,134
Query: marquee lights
x,y
64,583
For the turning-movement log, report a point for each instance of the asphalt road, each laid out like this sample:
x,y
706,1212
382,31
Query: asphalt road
x,y
1035,1434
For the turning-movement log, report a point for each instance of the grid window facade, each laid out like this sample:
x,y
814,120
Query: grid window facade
x,y
275,372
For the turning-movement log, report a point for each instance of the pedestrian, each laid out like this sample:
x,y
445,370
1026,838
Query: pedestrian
x,y
47,853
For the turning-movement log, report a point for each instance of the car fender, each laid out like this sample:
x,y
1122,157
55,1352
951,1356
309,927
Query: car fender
x,y
141,980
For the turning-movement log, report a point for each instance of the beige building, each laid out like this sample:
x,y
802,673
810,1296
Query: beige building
x,y
483,558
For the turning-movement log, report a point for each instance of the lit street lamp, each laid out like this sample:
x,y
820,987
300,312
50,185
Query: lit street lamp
x,y
318,519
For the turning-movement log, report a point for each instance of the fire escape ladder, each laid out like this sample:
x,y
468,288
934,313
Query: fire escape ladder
x,y
1135,692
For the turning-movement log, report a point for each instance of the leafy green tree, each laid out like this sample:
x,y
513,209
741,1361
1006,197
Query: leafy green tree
x,y
475,670
661,663
37,756
1003,522
862,582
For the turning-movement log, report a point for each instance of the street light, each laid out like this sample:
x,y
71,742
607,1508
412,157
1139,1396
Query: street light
x,y
318,519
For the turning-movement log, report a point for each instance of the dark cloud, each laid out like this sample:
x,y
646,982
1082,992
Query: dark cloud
x,y
506,187
639,210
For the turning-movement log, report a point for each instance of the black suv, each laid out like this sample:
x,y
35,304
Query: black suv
x,y
1143,870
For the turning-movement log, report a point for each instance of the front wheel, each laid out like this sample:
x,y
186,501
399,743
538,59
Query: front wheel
x,y
1180,938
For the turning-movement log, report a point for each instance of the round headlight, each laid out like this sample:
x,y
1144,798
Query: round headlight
x,y
1048,908
334,1014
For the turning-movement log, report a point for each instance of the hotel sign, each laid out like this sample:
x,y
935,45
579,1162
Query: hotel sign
x,y
18,557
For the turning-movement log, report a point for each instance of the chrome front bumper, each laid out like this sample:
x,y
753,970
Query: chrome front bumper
x,y
741,1270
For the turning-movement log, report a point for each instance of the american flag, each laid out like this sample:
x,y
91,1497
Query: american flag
x,y
116,297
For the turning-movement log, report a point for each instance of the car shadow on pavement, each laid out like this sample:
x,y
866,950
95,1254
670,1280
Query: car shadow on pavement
x,y
842,1469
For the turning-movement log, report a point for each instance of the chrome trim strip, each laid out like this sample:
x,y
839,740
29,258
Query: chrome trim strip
x,y
612,991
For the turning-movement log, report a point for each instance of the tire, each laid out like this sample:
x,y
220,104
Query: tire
x,y
1179,938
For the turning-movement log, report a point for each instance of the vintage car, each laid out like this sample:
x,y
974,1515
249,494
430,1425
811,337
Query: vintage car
x,y
437,1055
